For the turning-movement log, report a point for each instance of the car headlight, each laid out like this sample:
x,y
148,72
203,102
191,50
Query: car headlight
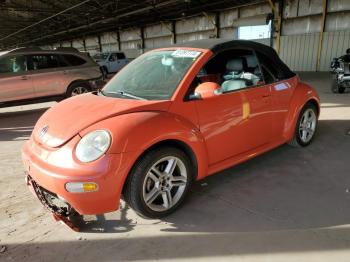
x,y
93,145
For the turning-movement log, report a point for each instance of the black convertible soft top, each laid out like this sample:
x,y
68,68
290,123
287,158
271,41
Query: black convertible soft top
x,y
218,45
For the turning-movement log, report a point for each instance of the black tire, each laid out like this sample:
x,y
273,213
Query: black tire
x,y
297,140
133,188
104,72
334,86
74,86
337,88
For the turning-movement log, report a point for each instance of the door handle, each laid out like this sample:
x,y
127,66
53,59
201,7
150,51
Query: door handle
x,y
24,78
265,95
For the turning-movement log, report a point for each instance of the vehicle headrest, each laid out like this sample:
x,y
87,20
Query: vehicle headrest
x,y
236,64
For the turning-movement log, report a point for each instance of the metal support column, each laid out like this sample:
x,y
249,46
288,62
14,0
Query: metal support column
x,y
99,43
320,42
278,20
142,36
171,29
215,22
118,40
84,44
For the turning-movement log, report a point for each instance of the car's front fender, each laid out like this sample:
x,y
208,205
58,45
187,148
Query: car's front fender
x,y
137,132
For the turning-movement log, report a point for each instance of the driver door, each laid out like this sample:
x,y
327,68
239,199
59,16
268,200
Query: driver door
x,y
237,121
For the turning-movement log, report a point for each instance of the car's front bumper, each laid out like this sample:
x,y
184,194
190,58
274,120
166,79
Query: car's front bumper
x,y
52,169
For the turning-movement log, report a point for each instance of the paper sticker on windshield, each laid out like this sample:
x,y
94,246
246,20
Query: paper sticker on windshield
x,y
186,53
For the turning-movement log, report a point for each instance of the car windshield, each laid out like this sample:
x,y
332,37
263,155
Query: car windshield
x,y
152,76
101,56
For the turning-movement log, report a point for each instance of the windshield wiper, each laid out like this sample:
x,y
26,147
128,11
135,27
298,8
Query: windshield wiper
x,y
123,93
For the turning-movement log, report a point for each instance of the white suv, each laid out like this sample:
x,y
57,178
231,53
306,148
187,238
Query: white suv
x,y
111,62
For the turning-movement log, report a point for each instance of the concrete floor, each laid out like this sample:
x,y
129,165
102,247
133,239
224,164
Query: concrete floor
x,y
287,205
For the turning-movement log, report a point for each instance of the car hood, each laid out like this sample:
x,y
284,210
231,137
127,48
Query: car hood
x,y
66,119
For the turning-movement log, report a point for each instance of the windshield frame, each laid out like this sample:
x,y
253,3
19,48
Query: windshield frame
x,y
188,75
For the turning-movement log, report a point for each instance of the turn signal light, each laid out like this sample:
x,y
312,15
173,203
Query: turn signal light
x,y
81,187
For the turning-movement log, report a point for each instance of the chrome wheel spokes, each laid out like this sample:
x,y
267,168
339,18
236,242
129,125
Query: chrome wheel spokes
x,y
165,183
79,90
307,125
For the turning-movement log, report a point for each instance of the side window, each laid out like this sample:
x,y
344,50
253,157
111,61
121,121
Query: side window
x,y
233,69
112,57
13,64
39,62
74,60
270,70
120,56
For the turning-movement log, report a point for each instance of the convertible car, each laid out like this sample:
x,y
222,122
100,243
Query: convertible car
x,y
172,116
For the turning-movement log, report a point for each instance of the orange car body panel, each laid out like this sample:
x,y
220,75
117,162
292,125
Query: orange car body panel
x,y
220,131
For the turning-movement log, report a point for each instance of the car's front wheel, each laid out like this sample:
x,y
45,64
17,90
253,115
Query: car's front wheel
x,y
306,126
159,182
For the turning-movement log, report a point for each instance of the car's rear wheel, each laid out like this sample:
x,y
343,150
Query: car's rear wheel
x,y
78,88
306,126
159,182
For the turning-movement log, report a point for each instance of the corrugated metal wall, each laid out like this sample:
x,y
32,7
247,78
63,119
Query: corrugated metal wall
x,y
299,52
299,41
334,45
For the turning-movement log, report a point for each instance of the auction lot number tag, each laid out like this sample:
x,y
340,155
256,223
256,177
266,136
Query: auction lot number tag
x,y
185,53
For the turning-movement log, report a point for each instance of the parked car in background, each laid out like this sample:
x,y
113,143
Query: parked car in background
x,y
340,68
29,75
111,62
172,116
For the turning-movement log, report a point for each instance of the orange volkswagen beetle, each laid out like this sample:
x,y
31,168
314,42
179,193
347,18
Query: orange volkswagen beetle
x,y
172,116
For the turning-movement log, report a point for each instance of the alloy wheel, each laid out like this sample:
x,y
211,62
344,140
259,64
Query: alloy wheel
x,y
307,125
164,183
79,90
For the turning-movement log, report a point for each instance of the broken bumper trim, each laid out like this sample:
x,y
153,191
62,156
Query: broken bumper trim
x,y
59,213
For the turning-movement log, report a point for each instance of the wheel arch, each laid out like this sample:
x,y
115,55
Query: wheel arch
x,y
176,143
314,102
179,144
303,94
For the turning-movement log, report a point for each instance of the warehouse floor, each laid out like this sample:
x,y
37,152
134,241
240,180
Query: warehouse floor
x,y
287,205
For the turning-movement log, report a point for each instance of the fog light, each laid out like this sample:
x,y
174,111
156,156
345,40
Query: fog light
x,y
81,187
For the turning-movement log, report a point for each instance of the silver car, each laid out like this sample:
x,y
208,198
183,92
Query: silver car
x,y
32,74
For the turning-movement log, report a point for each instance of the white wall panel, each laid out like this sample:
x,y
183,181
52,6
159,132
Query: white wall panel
x,y
78,44
159,30
182,38
334,45
338,21
299,52
254,10
228,33
65,44
109,41
338,5
157,42
194,24
228,17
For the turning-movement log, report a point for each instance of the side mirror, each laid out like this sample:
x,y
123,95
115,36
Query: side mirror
x,y
205,91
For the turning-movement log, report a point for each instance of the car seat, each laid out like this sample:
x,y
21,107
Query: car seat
x,y
233,77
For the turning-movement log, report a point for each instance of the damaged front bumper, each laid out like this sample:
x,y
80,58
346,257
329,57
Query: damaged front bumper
x,y
60,209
